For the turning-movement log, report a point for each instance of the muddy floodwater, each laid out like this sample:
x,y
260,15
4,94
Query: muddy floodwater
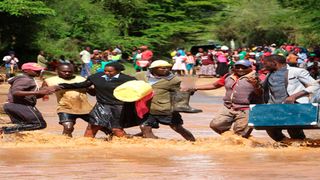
x,y
46,154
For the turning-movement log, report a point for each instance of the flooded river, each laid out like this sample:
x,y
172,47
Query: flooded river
x,y
46,154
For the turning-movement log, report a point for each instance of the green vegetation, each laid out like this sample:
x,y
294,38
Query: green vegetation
x,y
265,22
63,27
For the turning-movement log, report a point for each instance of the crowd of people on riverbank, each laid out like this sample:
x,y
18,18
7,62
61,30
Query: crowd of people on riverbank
x,y
250,76
214,62
217,62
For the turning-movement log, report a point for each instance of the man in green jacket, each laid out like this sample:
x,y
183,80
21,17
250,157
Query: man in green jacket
x,y
163,83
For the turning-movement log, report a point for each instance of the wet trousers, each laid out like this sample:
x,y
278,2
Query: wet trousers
x,y
25,118
227,118
294,133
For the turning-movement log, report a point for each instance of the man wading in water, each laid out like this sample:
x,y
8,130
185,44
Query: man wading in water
x,y
72,103
242,89
22,98
287,85
163,82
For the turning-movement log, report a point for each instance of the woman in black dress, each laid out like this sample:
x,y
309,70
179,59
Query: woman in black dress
x,y
107,114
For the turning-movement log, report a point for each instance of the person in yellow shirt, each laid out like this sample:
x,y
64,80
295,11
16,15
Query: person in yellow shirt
x,y
72,103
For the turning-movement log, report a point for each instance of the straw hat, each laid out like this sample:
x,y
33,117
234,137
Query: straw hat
x,y
159,63
132,91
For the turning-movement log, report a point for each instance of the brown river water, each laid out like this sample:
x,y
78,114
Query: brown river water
x,y
46,154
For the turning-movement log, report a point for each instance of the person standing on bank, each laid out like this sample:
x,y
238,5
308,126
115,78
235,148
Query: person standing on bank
x,y
11,64
286,85
146,58
163,82
106,114
22,99
41,60
72,103
85,57
243,88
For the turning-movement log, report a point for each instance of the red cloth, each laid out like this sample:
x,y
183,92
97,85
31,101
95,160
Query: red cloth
x,y
146,55
267,54
141,105
221,80
263,74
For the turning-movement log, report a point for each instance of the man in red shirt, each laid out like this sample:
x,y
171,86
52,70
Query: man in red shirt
x,y
242,89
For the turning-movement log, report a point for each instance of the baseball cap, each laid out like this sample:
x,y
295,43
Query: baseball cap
x,y
243,62
32,66
159,63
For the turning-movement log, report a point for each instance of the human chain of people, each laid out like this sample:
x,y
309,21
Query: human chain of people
x,y
285,74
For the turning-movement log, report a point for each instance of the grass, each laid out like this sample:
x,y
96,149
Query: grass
x,y
129,68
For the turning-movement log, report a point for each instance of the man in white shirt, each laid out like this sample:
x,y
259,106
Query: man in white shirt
x,y
85,58
287,85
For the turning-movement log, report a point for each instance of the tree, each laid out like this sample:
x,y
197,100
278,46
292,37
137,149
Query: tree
x,y
25,8
308,17
129,14
174,23
161,24
76,24
18,22
252,22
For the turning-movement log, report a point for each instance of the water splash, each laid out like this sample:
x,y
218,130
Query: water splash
x,y
228,142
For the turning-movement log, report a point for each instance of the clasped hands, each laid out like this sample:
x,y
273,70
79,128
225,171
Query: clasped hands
x,y
48,90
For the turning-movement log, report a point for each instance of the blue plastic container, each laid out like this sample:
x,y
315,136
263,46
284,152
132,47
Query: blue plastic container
x,y
264,116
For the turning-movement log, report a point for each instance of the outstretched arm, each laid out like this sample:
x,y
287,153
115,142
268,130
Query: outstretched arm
x,y
215,85
212,86
85,84
42,92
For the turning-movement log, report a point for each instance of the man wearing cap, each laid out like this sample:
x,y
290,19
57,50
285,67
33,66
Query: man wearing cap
x,y
22,98
163,82
242,89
